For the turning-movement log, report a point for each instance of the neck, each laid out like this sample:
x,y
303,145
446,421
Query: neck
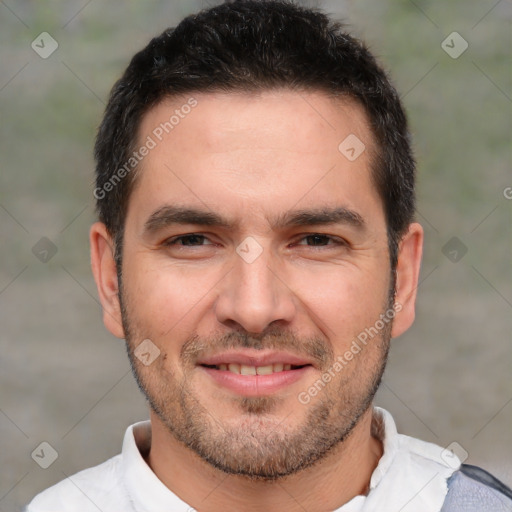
x,y
327,485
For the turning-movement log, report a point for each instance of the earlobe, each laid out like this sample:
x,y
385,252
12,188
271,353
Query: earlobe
x,y
105,274
407,275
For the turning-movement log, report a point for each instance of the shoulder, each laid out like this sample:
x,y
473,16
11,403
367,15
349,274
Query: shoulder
x,y
89,490
472,489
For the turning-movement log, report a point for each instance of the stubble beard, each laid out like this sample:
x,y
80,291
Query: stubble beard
x,y
257,444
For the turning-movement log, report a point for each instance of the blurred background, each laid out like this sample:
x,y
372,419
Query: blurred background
x,y
65,380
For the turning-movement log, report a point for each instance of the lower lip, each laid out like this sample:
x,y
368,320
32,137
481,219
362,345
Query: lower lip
x,y
256,385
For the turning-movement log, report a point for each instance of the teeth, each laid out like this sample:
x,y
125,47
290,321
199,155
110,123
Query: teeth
x,y
264,370
242,369
234,368
247,370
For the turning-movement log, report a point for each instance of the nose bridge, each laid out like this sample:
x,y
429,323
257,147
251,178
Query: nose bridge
x,y
254,296
256,279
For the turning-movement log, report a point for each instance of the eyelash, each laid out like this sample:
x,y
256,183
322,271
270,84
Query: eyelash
x,y
336,241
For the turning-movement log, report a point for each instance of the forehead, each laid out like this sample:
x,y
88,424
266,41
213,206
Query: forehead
x,y
256,151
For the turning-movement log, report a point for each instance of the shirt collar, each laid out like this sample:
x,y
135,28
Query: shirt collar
x,y
147,492
411,475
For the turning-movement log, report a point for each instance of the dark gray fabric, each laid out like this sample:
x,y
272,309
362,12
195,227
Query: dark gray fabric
x,y
471,489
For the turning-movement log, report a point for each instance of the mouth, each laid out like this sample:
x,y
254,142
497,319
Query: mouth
x,y
244,369
250,373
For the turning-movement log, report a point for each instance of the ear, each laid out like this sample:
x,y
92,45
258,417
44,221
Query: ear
x,y
407,274
105,274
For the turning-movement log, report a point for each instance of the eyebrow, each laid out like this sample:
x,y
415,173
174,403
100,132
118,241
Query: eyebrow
x,y
171,215
319,216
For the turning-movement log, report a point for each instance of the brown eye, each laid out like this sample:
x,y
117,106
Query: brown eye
x,y
317,240
320,240
192,240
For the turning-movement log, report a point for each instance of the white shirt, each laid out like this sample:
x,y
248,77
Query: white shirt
x,y
411,476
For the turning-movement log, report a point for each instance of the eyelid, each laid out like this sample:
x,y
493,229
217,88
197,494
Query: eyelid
x,y
173,239
337,241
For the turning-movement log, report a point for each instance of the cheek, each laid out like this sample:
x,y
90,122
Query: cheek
x,y
344,300
169,302
165,299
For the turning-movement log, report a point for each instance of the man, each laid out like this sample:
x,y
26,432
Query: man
x,y
256,249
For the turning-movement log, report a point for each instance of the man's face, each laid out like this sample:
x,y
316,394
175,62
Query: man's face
x,y
274,290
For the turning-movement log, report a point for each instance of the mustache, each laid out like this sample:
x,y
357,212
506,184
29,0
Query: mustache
x,y
313,347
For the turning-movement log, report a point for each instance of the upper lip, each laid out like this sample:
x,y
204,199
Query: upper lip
x,y
254,358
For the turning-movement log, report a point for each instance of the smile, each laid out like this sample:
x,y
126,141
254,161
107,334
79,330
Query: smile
x,y
243,369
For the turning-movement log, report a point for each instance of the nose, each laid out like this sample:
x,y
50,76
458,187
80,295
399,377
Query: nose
x,y
254,295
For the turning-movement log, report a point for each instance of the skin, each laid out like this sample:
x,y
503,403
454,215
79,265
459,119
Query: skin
x,y
252,158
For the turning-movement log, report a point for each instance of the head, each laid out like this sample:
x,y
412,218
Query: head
x,y
255,192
